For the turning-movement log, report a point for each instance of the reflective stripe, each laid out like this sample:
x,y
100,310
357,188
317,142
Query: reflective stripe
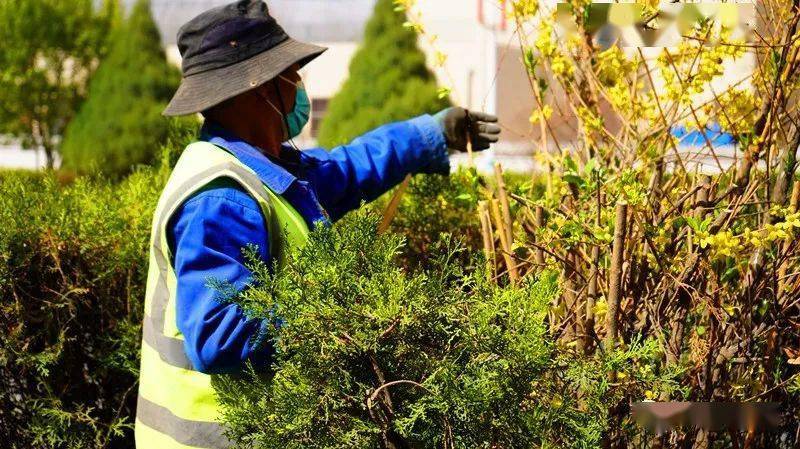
x,y
188,394
160,298
199,434
171,350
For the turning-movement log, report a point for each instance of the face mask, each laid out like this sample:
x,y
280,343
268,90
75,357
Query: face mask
x,y
297,119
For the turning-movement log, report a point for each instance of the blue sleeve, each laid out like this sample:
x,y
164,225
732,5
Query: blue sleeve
x,y
376,162
207,235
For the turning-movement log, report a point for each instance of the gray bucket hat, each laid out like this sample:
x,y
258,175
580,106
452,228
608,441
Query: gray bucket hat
x,y
232,49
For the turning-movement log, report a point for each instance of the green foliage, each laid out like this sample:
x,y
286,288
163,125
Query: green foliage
x,y
388,81
434,206
371,355
120,125
437,205
73,262
49,51
477,365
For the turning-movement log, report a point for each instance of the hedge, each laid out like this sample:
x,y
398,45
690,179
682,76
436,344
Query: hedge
x,y
73,262
72,273
371,354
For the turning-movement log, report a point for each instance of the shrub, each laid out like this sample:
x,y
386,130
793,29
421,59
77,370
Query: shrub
x,y
388,81
434,206
120,125
370,355
647,246
73,261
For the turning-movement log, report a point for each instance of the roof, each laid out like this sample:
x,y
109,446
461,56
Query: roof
x,y
305,20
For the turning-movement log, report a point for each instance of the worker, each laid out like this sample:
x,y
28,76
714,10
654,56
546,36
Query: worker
x,y
239,185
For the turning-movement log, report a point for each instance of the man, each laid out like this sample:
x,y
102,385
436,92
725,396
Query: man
x,y
238,186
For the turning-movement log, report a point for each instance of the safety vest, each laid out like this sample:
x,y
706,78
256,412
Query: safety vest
x,y
177,406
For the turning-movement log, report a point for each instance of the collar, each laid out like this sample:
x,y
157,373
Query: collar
x,y
273,175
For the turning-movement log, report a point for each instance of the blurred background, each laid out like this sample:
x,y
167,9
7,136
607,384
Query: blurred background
x,y
483,70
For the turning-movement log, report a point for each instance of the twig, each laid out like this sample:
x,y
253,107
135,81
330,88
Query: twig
x,y
394,203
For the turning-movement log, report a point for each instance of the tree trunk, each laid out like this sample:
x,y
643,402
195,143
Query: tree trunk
x,y
50,158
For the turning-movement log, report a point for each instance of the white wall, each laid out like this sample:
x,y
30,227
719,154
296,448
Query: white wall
x,y
324,76
12,156
469,47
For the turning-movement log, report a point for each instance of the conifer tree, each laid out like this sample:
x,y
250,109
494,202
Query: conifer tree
x,y
120,125
388,81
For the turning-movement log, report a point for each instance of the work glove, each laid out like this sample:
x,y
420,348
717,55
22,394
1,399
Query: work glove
x,y
458,123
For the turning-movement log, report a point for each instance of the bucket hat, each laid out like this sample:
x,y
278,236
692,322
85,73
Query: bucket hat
x,y
229,50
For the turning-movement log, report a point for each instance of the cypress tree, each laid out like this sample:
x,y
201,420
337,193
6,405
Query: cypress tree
x,y
120,124
389,80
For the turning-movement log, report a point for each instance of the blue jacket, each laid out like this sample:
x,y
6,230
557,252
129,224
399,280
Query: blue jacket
x,y
209,231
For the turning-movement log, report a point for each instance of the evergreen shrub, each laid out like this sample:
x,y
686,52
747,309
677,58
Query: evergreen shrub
x,y
73,262
432,207
437,205
73,267
120,124
371,355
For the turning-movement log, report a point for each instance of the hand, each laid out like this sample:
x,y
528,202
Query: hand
x,y
458,123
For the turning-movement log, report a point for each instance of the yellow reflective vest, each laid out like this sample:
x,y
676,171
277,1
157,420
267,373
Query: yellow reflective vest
x,y
177,406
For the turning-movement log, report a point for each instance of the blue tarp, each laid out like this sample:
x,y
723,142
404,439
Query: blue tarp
x,y
695,137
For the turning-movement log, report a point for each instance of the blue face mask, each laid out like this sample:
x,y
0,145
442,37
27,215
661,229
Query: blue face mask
x,y
297,119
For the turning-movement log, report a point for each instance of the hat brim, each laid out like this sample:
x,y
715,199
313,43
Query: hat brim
x,y
207,89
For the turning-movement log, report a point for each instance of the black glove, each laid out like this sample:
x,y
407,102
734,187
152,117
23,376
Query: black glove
x,y
457,123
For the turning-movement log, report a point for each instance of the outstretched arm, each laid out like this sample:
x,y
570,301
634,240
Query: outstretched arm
x,y
375,162
380,159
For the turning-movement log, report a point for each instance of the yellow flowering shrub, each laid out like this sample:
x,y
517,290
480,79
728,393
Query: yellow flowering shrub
x,y
659,229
